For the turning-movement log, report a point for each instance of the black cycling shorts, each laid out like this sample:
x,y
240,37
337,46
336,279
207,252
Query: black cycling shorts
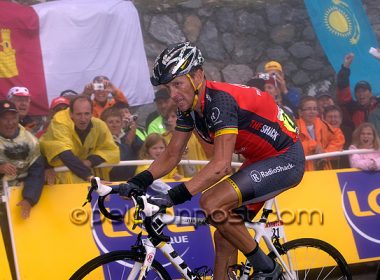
x,y
267,178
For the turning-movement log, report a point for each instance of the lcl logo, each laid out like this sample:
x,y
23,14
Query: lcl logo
x,y
361,207
372,204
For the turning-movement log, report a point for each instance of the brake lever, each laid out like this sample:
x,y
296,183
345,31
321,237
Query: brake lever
x,y
142,205
98,187
89,196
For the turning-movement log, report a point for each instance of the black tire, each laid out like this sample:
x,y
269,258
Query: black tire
x,y
157,271
334,266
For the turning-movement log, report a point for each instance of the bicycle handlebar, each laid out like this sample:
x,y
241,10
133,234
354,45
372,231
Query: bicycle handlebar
x,y
103,191
141,205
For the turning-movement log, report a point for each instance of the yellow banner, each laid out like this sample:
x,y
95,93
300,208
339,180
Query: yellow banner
x,y
57,238
4,267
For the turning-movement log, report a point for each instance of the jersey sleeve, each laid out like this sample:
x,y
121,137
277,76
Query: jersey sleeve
x,y
222,114
185,122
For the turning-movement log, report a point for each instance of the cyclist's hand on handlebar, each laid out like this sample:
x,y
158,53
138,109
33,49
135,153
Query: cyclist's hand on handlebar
x,y
161,200
130,189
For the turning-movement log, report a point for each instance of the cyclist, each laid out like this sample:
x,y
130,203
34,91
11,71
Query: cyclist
x,y
234,118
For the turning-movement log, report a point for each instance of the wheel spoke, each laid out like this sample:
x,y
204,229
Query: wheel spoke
x,y
315,259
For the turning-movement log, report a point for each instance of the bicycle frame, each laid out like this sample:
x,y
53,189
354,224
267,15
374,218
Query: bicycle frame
x,y
154,219
165,247
169,252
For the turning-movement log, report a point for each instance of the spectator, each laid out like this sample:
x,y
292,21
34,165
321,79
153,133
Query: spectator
x,y
79,141
354,112
20,96
193,151
269,83
57,104
153,147
324,99
135,135
154,121
114,120
290,96
20,158
365,137
316,135
333,115
101,87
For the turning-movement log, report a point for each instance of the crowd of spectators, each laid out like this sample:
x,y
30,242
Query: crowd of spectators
x,y
84,130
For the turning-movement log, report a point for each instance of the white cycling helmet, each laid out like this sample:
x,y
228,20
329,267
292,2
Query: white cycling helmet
x,y
176,60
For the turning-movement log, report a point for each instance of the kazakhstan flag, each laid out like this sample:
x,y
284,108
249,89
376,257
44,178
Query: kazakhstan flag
x,y
342,27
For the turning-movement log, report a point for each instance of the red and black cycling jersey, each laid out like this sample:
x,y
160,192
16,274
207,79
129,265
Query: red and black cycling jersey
x,y
263,129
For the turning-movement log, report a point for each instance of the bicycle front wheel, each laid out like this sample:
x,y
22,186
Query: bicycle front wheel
x,y
314,259
119,265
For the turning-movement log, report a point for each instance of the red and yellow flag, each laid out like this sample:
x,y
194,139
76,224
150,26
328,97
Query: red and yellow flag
x,y
20,54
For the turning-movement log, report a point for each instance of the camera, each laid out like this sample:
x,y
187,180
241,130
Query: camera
x,y
264,76
133,118
98,86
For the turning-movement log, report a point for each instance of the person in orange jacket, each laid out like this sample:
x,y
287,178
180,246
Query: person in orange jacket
x,y
101,87
316,135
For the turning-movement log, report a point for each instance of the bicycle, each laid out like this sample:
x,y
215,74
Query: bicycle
x,y
139,263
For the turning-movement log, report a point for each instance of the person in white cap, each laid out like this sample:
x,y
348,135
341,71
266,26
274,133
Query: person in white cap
x,y
21,162
20,96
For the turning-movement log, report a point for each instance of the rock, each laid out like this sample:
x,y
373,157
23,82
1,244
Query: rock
x,y
289,67
212,72
277,53
165,30
301,50
192,27
308,33
275,14
210,41
246,23
283,34
153,49
225,20
312,64
237,73
228,42
300,78
191,4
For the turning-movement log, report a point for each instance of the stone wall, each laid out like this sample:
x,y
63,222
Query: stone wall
x,y
238,36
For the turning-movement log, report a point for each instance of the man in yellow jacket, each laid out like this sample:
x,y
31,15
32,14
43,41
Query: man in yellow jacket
x,y
80,142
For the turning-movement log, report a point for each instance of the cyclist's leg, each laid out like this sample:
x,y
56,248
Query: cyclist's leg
x,y
225,255
225,252
257,182
218,205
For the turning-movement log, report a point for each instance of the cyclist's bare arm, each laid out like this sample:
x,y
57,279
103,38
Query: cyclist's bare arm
x,y
217,168
171,156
